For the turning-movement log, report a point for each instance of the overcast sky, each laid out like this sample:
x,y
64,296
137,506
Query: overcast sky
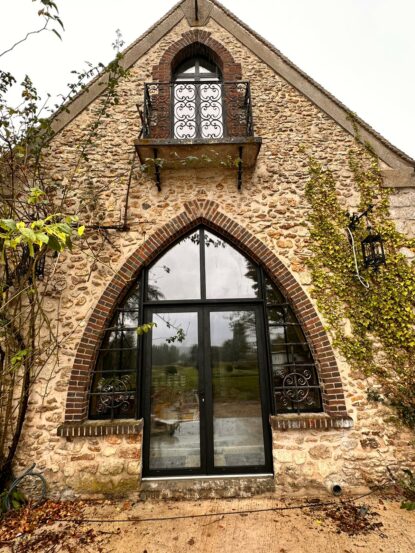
x,y
362,51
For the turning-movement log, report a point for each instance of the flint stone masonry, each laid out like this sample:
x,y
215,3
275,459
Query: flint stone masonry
x,y
271,207
107,465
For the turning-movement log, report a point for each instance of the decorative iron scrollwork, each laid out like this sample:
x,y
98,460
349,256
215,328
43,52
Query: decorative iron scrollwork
x,y
297,390
184,107
197,109
296,386
114,393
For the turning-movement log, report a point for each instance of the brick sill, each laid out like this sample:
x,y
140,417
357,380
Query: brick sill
x,y
307,421
100,428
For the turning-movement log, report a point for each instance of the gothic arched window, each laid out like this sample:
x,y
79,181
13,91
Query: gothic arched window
x,y
225,351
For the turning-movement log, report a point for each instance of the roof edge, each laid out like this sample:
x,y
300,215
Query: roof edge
x,y
131,54
296,77
324,100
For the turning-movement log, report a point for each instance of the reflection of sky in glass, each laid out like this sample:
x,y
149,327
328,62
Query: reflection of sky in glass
x,y
176,275
168,325
228,273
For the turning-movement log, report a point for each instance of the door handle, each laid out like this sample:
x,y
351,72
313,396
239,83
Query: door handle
x,y
202,397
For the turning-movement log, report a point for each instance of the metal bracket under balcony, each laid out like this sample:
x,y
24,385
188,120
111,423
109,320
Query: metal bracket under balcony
x,y
199,125
227,153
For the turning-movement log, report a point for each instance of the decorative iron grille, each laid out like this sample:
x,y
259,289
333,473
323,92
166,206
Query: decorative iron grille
x,y
187,110
294,376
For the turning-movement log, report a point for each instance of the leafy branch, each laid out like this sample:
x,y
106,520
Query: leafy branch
x,y
50,13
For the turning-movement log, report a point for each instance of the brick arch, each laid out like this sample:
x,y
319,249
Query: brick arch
x,y
203,212
193,42
175,53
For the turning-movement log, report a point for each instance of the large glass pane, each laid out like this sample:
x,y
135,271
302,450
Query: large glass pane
x,y
176,275
238,437
228,273
174,411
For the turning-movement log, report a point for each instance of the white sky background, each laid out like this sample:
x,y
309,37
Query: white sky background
x,y
362,51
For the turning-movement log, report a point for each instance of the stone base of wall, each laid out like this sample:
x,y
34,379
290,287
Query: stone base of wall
x,y
99,459
312,457
311,454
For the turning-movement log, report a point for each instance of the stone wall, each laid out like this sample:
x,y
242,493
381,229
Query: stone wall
x,y
98,464
271,206
313,461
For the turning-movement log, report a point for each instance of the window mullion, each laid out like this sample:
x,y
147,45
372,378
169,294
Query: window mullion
x,y
202,264
140,342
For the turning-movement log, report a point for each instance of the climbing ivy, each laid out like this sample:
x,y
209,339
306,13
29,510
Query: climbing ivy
x,y
373,328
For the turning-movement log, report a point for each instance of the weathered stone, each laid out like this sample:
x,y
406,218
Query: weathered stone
x,y
283,456
111,466
109,451
369,443
83,457
320,452
134,467
129,453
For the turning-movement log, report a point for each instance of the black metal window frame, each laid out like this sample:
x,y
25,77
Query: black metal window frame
x,y
293,387
181,74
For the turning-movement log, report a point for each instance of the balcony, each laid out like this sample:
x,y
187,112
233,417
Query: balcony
x,y
197,124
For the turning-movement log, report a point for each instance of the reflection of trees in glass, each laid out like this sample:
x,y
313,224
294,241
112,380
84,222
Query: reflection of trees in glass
x,y
273,295
118,352
179,336
165,354
132,301
190,357
215,242
251,275
154,293
236,348
240,349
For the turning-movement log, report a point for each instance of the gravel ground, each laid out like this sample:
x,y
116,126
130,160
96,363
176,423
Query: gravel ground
x,y
368,524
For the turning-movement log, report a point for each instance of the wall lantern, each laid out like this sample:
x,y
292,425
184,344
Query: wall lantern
x,y
372,245
373,252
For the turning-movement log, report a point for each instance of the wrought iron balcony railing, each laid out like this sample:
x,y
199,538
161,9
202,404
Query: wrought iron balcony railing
x,y
205,110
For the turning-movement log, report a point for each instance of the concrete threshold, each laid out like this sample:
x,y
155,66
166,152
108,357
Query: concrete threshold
x,y
208,487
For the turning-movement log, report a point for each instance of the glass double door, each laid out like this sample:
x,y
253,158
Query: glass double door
x,y
205,392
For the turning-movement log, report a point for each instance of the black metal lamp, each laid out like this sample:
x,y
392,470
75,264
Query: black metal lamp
x,y
372,249
372,246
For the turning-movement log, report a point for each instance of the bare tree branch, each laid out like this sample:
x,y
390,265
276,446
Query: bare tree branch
x,y
44,28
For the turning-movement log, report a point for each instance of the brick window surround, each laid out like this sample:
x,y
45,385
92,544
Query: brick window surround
x,y
202,212
194,43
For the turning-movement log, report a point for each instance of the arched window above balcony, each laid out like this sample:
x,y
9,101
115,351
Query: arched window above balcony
x,y
198,100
